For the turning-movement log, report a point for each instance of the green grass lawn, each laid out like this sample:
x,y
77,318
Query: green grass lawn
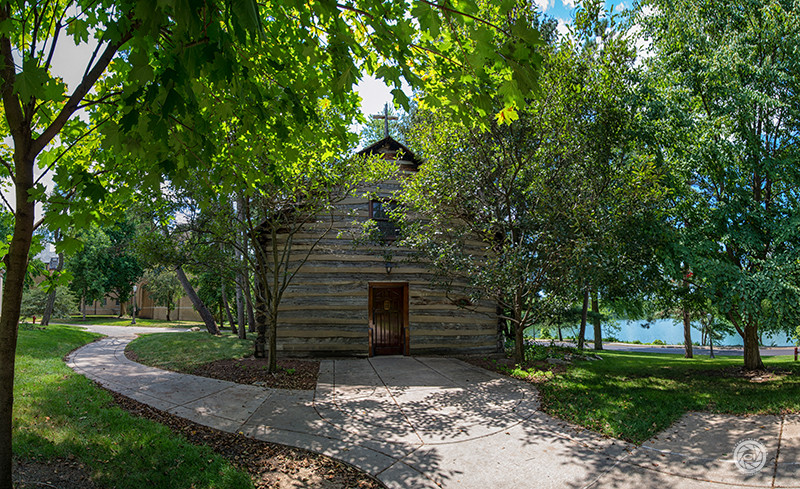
x,y
58,413
115,321
183,352
633,396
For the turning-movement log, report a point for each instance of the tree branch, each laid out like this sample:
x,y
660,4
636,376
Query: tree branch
x,y
83,88
8,74
3,196
68,148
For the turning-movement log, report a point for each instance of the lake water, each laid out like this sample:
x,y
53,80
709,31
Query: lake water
x,y
668,331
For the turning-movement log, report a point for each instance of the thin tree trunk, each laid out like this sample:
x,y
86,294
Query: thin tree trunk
x,y
584,314
560,336
711,345
519,336
48,307
261,322
16,262
273,336
251,320
169,308
227,309
240,317
208,318
83,306
239,279
598,333
687,333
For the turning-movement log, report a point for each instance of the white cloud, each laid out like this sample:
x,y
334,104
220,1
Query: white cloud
x,y
545,5
563,28
570,4
643,47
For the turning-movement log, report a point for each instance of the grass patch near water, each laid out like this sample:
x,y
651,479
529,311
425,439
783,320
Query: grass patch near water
x,y
633,395
183,352
60,414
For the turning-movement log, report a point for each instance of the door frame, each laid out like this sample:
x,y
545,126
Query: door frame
x,y
388,285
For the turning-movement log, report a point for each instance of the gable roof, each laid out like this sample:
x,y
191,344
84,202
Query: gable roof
x,y
390,149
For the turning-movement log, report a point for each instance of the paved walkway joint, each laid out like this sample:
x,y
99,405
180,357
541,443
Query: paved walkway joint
x,y
439,422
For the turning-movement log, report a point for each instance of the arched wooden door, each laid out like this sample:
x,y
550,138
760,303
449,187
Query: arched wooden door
x,y
388,318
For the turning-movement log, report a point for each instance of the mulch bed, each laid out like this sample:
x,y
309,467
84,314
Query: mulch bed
x,y
292,373
59,472
270,465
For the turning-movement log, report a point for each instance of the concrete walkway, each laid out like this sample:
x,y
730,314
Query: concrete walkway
x,y
438,422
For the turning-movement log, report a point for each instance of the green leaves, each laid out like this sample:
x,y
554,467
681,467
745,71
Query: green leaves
x,y
34,82
720,72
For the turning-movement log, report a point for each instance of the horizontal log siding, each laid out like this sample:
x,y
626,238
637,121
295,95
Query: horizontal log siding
x,y
324,311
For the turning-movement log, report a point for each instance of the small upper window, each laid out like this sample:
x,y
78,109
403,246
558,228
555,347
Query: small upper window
x,y
380,211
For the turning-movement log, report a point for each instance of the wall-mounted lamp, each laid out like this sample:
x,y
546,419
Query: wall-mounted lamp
x,y
388,266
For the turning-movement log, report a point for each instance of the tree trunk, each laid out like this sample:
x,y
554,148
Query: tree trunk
x,y
273,337
687,333
251,320
598,333
208,318
16,261
83,306
121,308
169,304
240,276
560,337
227,309
584,314
519,336
240,317
752,354
261,326
711,345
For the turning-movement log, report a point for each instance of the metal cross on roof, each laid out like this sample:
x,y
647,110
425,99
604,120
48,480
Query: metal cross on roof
x,y
386,118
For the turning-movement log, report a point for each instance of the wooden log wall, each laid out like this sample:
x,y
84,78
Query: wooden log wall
x,y
324,311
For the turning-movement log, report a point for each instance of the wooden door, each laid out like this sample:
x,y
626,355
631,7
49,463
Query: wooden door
x,y
388,318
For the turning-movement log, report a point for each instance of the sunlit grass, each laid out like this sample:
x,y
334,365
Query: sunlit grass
x,y
633,395
58,413
115,321
183,352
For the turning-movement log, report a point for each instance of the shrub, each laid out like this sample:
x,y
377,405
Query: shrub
x,y
34,300
658,342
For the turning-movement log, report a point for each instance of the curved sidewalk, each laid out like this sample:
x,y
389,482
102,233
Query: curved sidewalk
x,y
438,422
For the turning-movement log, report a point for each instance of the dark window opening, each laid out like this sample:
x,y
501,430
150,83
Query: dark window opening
x,y
381,211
